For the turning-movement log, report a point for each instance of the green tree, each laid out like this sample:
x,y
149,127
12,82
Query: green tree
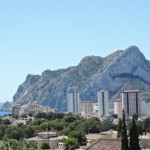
x,y
69,119
30,114
30,145
36,122
135,116
41,115
24,116
140,127
65,131
124,138
89,126
119,129
15,116
2,131
6,122
70,144
134,136
147,125
18,145
108,125
29,132
14,133
80,136
1,120
45,145
10,145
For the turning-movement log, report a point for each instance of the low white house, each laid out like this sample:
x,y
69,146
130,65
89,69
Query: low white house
x,y
55,141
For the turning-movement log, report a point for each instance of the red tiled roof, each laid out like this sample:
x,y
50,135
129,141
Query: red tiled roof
x,y
93,136
114,144
106,144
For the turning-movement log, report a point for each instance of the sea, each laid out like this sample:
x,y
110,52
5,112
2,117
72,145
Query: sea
x,y
5,113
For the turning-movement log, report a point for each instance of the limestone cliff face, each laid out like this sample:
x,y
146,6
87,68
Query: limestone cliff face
x,y
124,69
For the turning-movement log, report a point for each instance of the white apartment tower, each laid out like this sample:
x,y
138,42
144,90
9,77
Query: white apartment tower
x,y
131,102
73,100
145,109
118,108
86,108
103,106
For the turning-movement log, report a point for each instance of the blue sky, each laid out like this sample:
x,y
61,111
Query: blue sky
x,y
50,34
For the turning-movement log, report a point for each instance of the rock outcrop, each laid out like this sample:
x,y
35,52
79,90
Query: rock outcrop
x,y
6,106
124,69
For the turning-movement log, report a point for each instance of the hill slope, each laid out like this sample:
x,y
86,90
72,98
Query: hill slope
x,y
121,70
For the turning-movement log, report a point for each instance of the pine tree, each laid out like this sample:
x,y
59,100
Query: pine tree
x,y
119,129
124,138
134,136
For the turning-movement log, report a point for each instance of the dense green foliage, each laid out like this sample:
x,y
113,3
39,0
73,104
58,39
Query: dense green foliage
x,y
135,129
15,116
6,122
70,125
44,145
18,145
70,144
124,138
119,128
24,116
147,124
134,136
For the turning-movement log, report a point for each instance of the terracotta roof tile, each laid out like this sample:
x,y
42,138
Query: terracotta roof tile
x,y
115,144
106,144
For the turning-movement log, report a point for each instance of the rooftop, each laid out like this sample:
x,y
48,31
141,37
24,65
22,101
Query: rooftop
x,y
106,144
93,136
132,91
114,144
59,138
108,132
47,133
36,138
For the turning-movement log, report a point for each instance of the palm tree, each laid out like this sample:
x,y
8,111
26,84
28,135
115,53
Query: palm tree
x,y
19,145
10,145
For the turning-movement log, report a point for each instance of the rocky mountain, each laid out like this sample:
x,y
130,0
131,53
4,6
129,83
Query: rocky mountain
x,y
7,106
124,69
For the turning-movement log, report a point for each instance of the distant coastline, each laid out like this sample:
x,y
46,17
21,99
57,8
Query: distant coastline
x,y
3,113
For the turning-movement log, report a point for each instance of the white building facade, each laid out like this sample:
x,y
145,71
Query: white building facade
x,y
145,109
131,102
86,109
73,100
95,109
118,108
103,106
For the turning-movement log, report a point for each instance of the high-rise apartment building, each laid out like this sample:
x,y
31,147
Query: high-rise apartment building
x,y
103,106
86,108
118,108
131,102
73,100
145,109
